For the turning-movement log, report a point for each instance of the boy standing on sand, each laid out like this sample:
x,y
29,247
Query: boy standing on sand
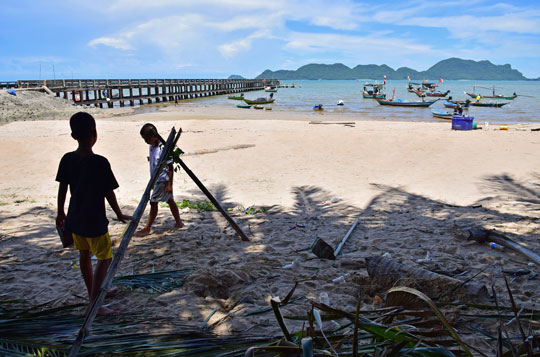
x,y
90,180
163,188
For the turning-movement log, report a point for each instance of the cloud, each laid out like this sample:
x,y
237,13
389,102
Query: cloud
x,y
206,31
118,43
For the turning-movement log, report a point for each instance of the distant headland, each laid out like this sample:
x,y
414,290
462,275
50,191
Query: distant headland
x,y
451,68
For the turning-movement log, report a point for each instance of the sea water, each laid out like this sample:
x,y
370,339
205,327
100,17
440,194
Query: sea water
x,y
307,93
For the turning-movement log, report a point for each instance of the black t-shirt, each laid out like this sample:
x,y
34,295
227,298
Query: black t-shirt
x,y
89,179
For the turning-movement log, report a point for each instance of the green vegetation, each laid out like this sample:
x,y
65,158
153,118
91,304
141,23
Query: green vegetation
x,y
3,203
203,206
452,68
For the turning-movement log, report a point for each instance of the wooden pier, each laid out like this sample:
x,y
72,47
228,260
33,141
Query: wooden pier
x,y
107,92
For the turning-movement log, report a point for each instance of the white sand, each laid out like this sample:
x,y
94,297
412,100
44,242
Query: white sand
x,y
409,183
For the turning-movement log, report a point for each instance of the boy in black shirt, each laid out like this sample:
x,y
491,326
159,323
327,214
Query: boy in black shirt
x,y
90,181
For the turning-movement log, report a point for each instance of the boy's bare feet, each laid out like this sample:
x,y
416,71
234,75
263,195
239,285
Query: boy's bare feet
x,y
112,292
179,224
143,232
105,311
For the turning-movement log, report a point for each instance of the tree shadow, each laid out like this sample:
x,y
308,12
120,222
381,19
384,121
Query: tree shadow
x,y
236,278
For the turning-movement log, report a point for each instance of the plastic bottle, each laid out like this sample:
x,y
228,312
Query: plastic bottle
x,y
339,279
494,245
486,126
324,299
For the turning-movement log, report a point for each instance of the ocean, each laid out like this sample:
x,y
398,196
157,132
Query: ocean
x,y
306,94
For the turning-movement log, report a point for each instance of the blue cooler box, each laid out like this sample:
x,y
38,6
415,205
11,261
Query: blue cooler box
x,y
462,123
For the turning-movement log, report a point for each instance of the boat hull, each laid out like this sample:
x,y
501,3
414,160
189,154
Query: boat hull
x,y
405,104
441,114
259,102
489,105
472,95
372,96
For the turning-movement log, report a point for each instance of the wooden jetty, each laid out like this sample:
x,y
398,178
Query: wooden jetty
x,y
107,92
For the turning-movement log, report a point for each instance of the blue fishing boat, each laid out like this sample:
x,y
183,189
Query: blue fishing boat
x,y
402,103
441,114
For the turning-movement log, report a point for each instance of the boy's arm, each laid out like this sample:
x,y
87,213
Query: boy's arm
x,y
111,198
61,215
171,175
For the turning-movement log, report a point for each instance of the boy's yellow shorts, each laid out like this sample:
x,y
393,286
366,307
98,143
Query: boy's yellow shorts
x,y
100,246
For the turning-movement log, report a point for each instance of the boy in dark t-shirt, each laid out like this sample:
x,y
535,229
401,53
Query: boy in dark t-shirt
x,y
90,180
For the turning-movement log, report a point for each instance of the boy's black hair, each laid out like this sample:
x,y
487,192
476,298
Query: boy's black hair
x,y
150,128
82,125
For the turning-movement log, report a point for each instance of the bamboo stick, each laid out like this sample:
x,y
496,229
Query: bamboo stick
x,y
235,226
126,238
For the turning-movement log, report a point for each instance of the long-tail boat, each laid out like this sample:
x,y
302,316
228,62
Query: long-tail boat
x,y
402,103
441,114
373,91
489,104
260,101
492,96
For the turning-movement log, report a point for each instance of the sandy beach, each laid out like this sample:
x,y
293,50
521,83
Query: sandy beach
x,y
410,184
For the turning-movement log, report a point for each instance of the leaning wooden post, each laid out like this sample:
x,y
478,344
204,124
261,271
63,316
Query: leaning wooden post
x,y
126,238
214,201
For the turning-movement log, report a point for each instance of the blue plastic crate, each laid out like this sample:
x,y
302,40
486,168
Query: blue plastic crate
x,y
462,123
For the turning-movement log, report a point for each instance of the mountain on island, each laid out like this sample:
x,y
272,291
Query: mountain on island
x,y
452,68
235,76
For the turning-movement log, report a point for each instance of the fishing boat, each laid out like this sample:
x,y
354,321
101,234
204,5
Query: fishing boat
x,y
441,114
260,101
489,104
270,89
492,96
318,107
258,107
453,103
425,86
402,103
431,93
243,106
236,97
373,91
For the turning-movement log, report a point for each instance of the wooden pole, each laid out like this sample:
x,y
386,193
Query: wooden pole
x,y
126,238
214,201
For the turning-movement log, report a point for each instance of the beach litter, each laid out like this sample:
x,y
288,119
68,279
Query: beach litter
x,y
491,236
324,251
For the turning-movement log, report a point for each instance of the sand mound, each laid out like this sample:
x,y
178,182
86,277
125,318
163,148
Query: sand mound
x,y
36,105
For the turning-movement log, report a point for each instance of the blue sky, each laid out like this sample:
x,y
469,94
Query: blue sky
x,y
216,38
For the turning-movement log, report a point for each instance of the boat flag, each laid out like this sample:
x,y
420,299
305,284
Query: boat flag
x,y
384,79
408,78
393,93
440,80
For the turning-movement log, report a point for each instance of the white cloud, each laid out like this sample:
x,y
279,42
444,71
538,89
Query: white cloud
x,y
118,43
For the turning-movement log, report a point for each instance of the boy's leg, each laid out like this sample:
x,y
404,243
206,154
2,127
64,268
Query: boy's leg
x,y
175,213
85,262
151,217
101,272
102,249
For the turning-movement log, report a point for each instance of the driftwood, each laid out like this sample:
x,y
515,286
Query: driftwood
x,y
485,235
332,122
388,271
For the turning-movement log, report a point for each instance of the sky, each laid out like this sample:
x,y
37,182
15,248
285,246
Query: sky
x,y
216,38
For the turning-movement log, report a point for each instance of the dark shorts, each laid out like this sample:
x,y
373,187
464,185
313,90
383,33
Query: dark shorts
x,y
160,194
